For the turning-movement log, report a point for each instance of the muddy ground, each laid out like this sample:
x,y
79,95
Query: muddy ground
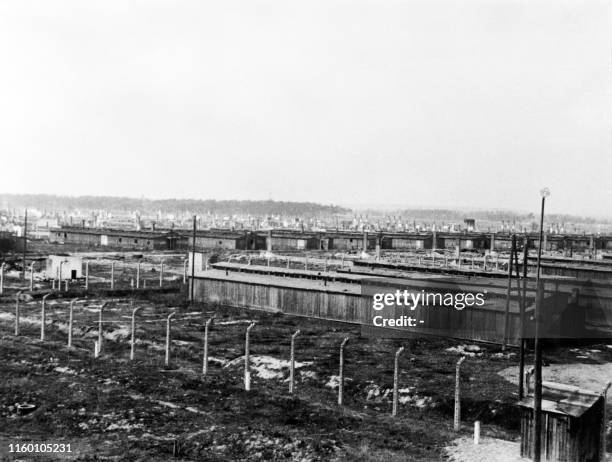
x,y
113,409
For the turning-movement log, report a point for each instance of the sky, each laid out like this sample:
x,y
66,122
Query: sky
x,y
387,103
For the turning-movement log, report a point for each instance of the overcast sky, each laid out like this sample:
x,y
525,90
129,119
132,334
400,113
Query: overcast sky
x,y
397,103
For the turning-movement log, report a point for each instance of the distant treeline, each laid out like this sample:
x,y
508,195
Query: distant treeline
x,y
52,202
495,216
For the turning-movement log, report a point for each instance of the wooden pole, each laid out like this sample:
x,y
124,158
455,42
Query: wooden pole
x,y
100,328
537,393
292,363
17,313
521,390
247,364
70,319
395,381
205,360
25,243
43,318
509,289
133,339
167,362
457,419
193,251
341,373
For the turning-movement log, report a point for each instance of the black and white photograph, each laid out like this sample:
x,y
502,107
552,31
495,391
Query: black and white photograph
x,y
306,231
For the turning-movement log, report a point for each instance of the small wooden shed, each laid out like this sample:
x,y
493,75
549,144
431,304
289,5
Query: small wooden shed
x,y
573,424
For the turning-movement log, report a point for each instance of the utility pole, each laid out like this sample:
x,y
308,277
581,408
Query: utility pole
x,y
537,393
25,244
193,249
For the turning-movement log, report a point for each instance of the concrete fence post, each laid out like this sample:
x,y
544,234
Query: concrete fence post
x,y
17,313
2,278
100,328
247,363
43,318
477,432
205,359
112,278
292,363
185,271
396,380
53,284
70,319
457,420
167,361
341,373
161,274
96,349
138,275
132,340
31,277
86,275
66,285
59,276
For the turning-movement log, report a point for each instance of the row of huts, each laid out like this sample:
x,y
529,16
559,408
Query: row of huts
x,y
294,240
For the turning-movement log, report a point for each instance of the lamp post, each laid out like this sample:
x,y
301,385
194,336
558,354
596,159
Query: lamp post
x,y
537,392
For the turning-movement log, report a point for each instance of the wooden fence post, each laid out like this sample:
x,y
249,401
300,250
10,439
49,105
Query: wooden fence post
x,y
396,380
133,332
70,318
43,318
31,277
457,420
205,359
247,365
100,329
341,373
17,313
292,363
167,362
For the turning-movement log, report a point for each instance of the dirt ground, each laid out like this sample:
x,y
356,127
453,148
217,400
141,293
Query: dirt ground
x,y
112,408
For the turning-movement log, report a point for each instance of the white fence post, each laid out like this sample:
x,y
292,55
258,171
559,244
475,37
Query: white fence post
x,y
292,363
205,360
31,277
161,274
112,281
138,275
185,271
457,420
17,313
477,432
341,373
86,275
396,380
133,333
70,318
167,362
247,365
66,285
99,349
2,278
43,318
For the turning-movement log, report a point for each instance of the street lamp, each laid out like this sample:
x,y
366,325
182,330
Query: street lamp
x,y
537,392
